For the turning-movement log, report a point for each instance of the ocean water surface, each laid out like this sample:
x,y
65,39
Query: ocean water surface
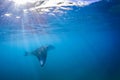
x,y
86,40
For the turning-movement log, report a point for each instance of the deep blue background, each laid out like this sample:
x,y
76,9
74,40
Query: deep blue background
x,y
86,40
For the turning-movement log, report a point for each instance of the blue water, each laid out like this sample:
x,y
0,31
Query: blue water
x,y
86,41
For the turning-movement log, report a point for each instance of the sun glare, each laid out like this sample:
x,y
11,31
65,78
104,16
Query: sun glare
x,y
23,2
20,2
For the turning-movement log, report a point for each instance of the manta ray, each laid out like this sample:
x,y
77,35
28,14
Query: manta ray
x,y
41,53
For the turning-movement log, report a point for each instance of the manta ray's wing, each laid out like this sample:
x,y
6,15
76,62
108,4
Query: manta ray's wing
x,y
42,59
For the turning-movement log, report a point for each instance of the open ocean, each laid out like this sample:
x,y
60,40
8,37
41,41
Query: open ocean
x,y
86,41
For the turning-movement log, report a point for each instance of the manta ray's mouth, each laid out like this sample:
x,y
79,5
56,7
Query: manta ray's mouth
x,y
50,47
